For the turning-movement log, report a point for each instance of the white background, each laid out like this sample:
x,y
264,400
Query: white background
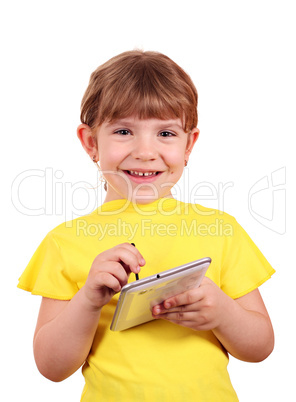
x,y
241,56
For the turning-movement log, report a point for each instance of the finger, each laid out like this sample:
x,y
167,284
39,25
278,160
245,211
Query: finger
x,y
111,268
131,247
179,316
190,297
108,280
160,309
131,250
197,326
187,319
130,259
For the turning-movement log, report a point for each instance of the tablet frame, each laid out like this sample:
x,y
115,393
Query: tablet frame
x,y
137,298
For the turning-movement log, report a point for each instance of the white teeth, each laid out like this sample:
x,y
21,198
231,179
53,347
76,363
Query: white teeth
x,y
142,174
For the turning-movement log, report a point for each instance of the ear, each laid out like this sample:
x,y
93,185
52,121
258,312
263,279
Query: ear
x,y
192,138
88,140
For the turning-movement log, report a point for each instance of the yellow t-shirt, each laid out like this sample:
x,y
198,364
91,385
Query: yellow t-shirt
x,y
157,361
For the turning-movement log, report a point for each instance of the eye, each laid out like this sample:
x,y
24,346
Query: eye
x,y
167,134
122,132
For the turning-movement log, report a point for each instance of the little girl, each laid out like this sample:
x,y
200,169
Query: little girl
x,y
139,122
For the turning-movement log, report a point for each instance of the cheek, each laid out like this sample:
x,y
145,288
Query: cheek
x,y
176,159
110,156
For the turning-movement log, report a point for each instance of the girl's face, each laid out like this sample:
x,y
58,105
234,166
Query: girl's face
x,y
141,159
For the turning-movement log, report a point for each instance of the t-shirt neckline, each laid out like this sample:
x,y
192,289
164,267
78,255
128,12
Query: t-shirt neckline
x,y
122,205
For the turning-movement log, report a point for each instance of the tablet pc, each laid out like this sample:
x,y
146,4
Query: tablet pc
x,y
137,299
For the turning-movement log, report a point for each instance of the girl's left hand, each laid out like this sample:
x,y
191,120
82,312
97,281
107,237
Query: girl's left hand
x,y
201,308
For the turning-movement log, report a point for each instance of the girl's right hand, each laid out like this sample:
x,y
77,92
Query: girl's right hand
x,y
109,273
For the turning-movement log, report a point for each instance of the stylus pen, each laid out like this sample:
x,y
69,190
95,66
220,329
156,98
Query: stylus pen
x,y
137,275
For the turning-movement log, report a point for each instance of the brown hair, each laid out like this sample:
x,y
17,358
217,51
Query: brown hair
x,y
144,84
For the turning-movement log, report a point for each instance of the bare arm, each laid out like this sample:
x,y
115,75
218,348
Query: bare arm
x,y
63,336
242,325
65,329
249,334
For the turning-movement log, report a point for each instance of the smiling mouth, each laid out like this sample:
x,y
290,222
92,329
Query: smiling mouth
x,y
142,174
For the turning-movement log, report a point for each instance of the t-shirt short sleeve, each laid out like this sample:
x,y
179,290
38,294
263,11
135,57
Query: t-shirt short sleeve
x,y
244,267
46,274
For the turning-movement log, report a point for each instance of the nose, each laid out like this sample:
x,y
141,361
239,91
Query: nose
x,y
144,149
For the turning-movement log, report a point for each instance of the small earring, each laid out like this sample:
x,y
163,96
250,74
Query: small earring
x,y
100,172
96,163
186,162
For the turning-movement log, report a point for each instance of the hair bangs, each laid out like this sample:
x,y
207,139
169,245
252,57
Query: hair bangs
x,y
140,103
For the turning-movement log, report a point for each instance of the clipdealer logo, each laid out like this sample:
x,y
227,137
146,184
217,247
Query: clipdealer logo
x,y
36,192
267,201
53,195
